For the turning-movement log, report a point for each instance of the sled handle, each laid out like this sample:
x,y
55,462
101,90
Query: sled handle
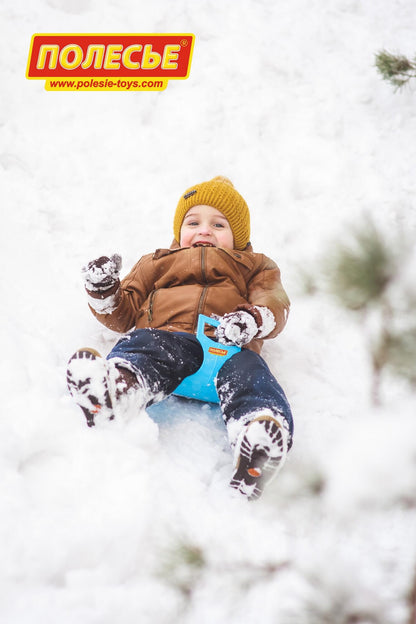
x,y
200,330
213,347
201,384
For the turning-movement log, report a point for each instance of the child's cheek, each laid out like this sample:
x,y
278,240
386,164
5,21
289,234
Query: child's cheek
x,y
227,240
184,238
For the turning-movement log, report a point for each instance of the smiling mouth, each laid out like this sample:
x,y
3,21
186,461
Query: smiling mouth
x,y
203,244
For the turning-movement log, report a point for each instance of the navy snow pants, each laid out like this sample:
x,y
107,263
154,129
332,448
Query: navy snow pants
x,y
244,383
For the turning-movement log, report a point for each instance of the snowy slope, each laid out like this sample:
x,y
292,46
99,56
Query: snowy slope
x,y
130,524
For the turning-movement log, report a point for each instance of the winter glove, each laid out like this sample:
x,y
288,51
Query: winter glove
x,y
102,283
241,326
102,274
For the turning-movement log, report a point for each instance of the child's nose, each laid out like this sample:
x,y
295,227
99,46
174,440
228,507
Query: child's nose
x,y
204,229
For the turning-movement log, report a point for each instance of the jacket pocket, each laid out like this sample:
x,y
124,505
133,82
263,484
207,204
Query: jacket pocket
x,y
240,257
152,297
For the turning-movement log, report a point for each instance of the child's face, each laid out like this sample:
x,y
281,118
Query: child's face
x,y
206,226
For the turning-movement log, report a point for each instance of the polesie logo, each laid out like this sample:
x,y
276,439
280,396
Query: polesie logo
x,y
109,62
217,351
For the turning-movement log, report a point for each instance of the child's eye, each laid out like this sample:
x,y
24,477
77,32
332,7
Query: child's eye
x,y
218,225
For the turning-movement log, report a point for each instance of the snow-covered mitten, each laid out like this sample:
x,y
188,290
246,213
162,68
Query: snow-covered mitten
x,y
102,274
102,283
241,326
259,454
100,388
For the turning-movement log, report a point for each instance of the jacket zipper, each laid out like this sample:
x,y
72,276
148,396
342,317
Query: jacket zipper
x,y
201,303
205,289
203,264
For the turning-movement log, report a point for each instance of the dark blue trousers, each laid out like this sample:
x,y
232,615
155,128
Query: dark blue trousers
x,y
244,383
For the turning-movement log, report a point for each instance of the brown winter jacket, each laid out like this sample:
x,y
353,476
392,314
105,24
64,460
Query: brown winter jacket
x,y
169,288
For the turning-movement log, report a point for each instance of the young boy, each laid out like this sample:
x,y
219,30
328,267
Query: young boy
x,y
209,269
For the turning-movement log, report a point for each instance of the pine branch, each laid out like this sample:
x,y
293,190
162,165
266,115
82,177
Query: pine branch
x,y
183,567
401,353
362,274
361,270
396,69
185,564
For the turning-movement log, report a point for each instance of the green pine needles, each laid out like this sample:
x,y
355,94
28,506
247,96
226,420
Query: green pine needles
x,y
364,274
395,68
363,268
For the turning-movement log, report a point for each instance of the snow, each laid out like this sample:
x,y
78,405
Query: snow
x,y
127,524
238,329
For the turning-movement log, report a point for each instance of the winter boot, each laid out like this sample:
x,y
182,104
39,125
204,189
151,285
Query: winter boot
x,y
99,386
260,452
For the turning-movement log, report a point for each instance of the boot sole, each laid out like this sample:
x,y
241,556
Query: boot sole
x,y
255,466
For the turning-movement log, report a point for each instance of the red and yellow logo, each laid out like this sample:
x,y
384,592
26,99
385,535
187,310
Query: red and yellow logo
x,y
217,351
101,62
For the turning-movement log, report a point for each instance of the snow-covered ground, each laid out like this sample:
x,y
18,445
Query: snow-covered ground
x,y
129,524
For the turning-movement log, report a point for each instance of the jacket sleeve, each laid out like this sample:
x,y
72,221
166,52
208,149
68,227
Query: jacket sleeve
x,y
124,305
265,289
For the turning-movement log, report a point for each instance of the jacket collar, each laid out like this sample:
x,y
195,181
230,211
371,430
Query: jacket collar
x,y
243,257
175,245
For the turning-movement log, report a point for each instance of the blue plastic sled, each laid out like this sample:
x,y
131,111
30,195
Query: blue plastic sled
x,y
201,384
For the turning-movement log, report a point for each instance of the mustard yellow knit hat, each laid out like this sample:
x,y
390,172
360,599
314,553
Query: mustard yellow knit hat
x,y
218,193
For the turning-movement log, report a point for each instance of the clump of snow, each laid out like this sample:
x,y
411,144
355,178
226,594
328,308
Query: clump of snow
x,y
268,322
120,523
236,328
104,306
